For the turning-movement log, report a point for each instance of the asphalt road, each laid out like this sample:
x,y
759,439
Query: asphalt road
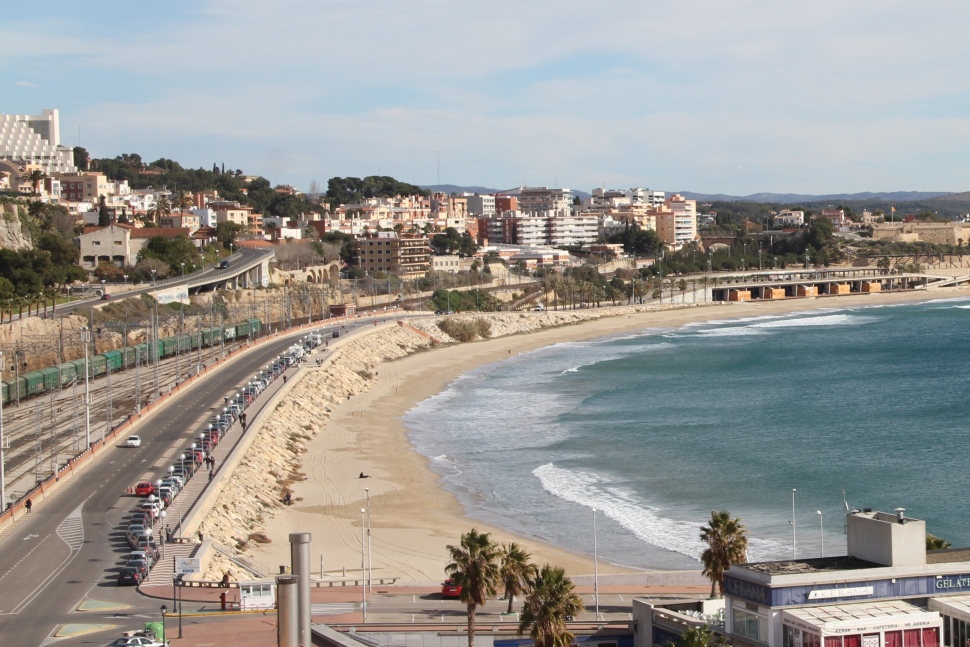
x,y
69,548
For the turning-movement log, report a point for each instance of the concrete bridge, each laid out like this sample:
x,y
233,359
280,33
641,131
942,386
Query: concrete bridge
x,y
787,284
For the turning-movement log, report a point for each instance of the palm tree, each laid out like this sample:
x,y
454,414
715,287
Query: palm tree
x,y
35,177
936,543
161,209
474,568
727,544
550,601
183,199
515,570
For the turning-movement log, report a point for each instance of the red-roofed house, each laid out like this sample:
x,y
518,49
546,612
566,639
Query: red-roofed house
x,y
118,243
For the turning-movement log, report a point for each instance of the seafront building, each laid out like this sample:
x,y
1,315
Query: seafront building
x,y
887,591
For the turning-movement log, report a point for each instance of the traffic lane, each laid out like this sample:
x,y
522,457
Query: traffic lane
x,y
104,481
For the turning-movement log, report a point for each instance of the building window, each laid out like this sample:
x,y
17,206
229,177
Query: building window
x,y
751,625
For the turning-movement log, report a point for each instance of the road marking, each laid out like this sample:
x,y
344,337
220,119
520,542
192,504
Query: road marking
x,y
71,532
30,537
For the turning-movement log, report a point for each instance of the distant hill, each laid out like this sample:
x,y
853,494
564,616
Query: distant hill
x,y
790,198
952,197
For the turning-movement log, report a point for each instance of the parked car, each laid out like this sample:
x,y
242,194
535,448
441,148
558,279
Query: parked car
x,y
128,575
144,488
450,590
138,562
140,554
133,441
135,641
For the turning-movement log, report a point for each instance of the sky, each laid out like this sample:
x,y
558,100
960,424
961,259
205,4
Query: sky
x,y
727,96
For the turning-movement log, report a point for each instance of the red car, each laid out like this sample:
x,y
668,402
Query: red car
x,y
450,590
144,489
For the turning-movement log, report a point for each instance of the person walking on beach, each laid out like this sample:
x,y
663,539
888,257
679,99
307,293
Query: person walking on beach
x,y
28,506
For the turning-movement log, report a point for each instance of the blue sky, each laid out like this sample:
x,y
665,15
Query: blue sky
x,y
731,97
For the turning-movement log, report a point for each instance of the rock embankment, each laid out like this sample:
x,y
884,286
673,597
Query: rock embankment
x,y
253,495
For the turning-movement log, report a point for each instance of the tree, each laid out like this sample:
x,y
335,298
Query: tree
x,y
35,177
162,209
183,200
474,568
228,232
550,601
698,637
81,158
515,570
103,218
936,543
727,543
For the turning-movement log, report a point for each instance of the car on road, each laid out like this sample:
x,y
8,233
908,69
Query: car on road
x,y
450,590
144,488
133,441
140,563
129,575
224,265
105,297
135,641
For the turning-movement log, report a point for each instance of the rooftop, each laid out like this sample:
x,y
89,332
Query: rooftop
x,y
817,565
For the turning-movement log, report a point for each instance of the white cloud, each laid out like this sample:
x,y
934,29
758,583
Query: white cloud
x,y
711,96
26,84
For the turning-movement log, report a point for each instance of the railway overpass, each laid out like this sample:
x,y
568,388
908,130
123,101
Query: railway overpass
x,y
788,284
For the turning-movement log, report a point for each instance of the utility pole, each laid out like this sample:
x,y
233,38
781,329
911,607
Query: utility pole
x,y
86,339
3,488
109,405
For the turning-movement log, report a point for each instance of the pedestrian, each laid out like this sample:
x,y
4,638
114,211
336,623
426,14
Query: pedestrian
x,y
213,464
168,534
28,506
284,378
200,536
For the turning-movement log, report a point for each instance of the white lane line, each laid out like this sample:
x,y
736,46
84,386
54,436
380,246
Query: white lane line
x,y
71,532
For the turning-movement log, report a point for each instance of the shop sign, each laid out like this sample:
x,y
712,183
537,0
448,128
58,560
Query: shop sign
x,y
847,592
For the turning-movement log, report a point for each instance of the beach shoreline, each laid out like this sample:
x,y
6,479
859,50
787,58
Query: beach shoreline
x,y
412,516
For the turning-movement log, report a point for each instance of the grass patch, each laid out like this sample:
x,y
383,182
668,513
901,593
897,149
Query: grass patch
x,y
259,538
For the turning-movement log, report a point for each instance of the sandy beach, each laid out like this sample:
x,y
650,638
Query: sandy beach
x,y
412,518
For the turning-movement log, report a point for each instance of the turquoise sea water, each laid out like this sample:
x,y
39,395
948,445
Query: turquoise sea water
x,y
655,429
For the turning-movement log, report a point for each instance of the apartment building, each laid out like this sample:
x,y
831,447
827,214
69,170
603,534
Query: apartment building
x,y
35,140
480,205
605,199
540,199
407,257
118,244
677,221
789,218
231,212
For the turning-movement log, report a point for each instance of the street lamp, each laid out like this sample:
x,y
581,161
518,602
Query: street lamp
x,y
86,339
821,537
363,545
792,522
153,277
161,516
370,555
596,587
126,281
3,491
182,459
164,611
104,290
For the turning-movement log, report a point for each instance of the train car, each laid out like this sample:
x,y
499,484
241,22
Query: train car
x,y
115,360
52,377
128,356
242,329
5,396
33,383
68,372
168,345
257,326
98,365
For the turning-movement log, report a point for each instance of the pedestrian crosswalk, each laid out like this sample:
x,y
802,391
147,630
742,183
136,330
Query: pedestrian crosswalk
x,y
332,609
71,530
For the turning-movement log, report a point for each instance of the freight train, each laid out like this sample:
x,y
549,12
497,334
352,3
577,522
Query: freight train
x,y
53,377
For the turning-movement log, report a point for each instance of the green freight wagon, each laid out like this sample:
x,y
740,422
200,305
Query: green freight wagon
x,y
115,360
52,377
33,383
68,372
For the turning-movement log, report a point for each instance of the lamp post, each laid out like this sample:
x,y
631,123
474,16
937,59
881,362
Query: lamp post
x,y
792,522
153,277
126,281
182,460
821,537
363,545
161,537
3,490
596,585
183,270
370,555
86,339
104,290
164,611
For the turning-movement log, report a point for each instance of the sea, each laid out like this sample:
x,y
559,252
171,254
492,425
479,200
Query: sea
x,y
632,440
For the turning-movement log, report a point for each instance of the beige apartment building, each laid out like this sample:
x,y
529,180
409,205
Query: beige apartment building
x,y
677,221
407,257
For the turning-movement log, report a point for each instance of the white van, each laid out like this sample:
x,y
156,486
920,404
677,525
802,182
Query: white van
x,y
539,307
